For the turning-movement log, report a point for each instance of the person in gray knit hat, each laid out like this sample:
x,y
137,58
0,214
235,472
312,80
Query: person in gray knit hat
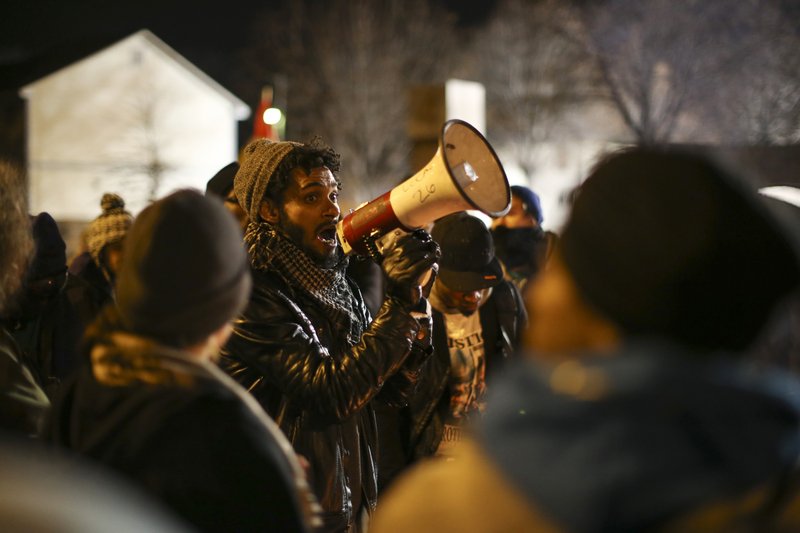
x,y
104,236
106,233
306,347
153,406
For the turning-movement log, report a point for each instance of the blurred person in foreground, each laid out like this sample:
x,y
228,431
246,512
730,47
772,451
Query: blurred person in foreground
x,y
154,406
635,409
305,347
23,404
779,345
40,493
518,236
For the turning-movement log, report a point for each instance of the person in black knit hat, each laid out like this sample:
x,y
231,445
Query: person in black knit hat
x,y
636,408
221,185
153,405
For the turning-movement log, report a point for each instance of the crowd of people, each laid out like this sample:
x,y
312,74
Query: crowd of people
x,y
215,356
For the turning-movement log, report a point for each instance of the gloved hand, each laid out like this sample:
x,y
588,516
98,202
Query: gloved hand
x,y
424,339
407,258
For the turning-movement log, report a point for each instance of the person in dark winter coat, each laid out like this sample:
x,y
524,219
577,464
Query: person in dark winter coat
x,y
53,310
23,404
478,320
305,346
635,410
154,407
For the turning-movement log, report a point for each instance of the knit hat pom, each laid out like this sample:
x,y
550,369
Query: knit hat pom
x,y
110,227
112,203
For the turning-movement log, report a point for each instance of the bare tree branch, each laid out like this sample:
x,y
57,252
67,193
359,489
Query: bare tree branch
x,y
656,57
758,99
349,63
534,68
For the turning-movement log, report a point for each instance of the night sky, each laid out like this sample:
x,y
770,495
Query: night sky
x,y
35,32
37,37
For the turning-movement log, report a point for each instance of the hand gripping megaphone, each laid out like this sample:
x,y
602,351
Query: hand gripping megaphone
x,y
464,174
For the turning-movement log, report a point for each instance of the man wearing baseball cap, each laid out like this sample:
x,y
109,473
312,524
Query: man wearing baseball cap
x,y
478,318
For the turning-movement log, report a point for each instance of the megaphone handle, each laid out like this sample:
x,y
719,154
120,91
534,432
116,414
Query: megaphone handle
x,y
370,243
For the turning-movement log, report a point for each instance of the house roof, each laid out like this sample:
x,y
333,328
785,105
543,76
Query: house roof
x,y
241,109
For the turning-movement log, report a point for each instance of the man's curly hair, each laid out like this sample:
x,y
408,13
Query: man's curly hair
x,y
308,156
16,239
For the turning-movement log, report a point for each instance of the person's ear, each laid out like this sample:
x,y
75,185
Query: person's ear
x,y
269,212
221,336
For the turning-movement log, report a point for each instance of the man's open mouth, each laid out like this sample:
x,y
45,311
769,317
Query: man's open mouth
x,y
328,235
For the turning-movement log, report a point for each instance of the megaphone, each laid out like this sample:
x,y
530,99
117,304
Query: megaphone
x,y
465,173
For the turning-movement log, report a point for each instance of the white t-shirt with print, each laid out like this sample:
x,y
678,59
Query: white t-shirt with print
x,y
467,374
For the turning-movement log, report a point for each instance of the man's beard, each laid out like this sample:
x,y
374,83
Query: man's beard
x,y
295,234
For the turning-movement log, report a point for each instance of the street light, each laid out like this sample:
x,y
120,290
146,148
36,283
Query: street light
x,y
272,116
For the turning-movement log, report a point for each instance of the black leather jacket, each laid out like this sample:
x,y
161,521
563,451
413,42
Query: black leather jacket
x,y
318,388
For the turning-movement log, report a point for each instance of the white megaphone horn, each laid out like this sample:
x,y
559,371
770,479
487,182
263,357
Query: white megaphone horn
x,y
464,174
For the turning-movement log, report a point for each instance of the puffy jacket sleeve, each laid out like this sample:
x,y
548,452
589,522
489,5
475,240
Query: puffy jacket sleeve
x,y
275,338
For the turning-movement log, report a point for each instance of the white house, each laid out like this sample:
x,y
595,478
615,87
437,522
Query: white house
x,y
566,155
135,118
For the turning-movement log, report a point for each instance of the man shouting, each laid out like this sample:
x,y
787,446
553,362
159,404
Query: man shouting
x,y
305,346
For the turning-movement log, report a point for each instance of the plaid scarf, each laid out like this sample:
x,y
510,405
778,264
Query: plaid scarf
x,y
269,249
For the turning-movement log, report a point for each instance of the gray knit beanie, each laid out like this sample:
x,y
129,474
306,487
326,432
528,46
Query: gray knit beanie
x,y
184,272
259,161
110,227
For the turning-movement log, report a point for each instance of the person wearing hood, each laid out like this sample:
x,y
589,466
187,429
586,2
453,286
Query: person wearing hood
x,y
520,241
52,310
153,406
635,409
